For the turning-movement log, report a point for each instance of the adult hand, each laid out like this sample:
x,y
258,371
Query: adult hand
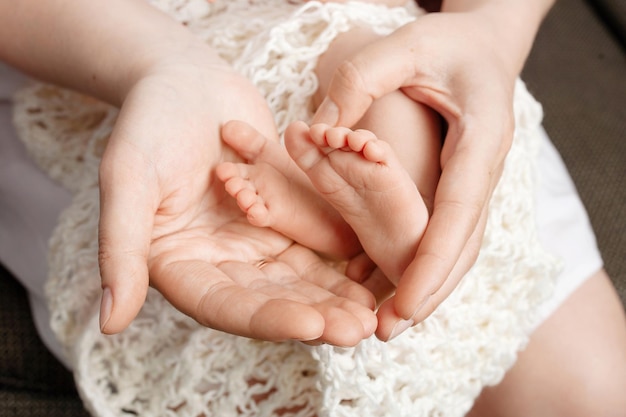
x,y
461,66
166,220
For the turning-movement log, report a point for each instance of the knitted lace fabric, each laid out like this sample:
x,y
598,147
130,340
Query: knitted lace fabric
x,y
166,364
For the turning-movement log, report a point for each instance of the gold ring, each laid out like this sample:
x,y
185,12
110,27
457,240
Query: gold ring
x,y
260,264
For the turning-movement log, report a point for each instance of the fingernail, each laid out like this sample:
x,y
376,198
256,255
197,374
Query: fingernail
x,y
328,113
400,327
420,306
106,304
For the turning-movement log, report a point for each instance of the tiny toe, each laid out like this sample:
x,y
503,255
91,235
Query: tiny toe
x,y
244,139
358,139
246,199
258,215
375,151
336,137
318,133
235,185
226,171
301,147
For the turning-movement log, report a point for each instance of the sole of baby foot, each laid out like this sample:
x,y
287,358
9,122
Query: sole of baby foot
x,y
361,177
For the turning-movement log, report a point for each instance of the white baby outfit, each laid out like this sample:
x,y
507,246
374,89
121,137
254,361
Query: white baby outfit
x,y
166,364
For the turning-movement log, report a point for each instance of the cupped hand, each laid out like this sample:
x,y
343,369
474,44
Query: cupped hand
x,y
453,63
166,221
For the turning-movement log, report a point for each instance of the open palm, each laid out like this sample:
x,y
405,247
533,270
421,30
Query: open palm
x,y
253,281
167,222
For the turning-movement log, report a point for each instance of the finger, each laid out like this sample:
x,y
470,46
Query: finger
x,y
390,324
360,267
252,307
378,69
472,163
462,194
249,142
379,285
312,269
127,210
453,237
346,306
464,263
346,323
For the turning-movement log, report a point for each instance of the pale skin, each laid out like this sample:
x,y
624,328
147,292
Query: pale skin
x,y
143,57
165,220
376,194
548,378
480,126
575,362
356,173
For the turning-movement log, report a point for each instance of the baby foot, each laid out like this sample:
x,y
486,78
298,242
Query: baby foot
x,y
274,192
363,179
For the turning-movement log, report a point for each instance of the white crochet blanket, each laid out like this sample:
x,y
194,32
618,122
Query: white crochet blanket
x,y
166,364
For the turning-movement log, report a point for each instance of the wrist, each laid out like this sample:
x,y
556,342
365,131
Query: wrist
x,y
104,56
159,47
513,24
176,58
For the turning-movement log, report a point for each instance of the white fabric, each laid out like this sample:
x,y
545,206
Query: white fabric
x,y
166,364
563,226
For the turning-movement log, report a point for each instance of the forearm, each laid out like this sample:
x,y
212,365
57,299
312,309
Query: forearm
x,y
97,47
515,23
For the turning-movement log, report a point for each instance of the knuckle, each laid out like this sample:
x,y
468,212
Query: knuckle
x,y
349,75
471,210
104,253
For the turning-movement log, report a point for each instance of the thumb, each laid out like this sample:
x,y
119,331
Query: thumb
x,y
125,228
363,78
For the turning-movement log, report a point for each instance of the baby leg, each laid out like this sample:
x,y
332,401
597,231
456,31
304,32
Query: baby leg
x,y
274,192
412,133
412,129
362,178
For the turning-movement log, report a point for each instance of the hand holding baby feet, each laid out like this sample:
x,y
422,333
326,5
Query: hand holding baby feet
x,y
361,177
274,192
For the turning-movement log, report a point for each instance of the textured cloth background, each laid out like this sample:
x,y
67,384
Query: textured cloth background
x,y
577,70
